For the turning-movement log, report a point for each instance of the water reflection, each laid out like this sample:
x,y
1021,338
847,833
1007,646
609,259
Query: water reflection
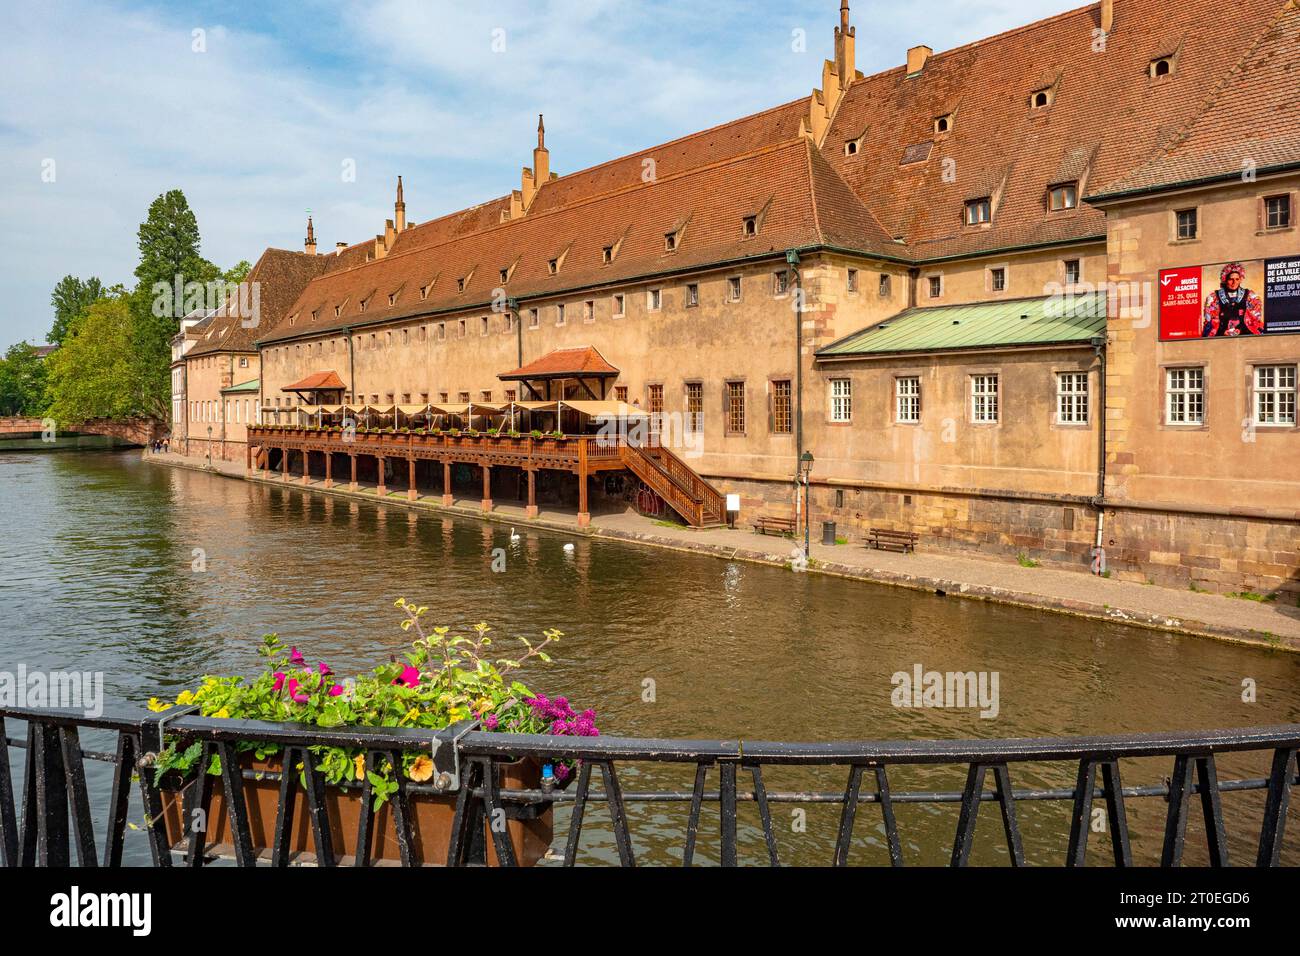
x,y
99,572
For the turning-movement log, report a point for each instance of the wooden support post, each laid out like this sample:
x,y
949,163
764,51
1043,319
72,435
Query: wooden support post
x,y
584,516
411,493
446,484
532,494
487,488
284,464
329,469
353,485
381,490
306,467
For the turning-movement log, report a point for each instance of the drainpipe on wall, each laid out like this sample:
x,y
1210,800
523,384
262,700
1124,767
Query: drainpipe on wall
x,y
792,265
1099,554
352,369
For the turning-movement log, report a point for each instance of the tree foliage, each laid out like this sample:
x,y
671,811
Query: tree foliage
x,y
22,382
93,375
70,298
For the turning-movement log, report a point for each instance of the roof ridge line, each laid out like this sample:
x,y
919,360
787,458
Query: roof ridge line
x,y
577,204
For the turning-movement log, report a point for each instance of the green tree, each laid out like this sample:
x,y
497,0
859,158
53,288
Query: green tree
x,y
238,273
94,374
22,382
172,281
71,297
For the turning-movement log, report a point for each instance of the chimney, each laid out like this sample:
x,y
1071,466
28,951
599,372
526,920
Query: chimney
x,y
309,245
399,208
533,179
339,247
1107,15
916,59
390,234
845,48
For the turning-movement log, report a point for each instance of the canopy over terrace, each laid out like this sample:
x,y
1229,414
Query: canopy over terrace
x,y
317,389
566,374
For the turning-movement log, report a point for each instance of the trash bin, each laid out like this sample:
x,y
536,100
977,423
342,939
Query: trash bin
x,y
828,532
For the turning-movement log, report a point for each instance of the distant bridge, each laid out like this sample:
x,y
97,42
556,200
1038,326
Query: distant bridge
x,y
18,433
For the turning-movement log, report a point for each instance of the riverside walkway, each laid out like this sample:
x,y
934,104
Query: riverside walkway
x,y
1273,624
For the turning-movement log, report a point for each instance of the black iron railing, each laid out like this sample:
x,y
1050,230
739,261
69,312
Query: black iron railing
x,y
57,816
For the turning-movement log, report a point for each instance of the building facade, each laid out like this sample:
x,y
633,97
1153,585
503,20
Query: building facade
x,y
951,283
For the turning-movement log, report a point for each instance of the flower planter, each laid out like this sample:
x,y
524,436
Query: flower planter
x,y
432,818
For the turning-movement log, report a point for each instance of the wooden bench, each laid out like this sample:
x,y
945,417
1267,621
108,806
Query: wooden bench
x,y
882,539
780,526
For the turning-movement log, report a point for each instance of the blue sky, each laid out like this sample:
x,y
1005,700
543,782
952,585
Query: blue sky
x,y
255,119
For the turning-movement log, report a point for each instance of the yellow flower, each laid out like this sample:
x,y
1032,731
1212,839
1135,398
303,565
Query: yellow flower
x,y
360,764
222,714
156,705
482,705
412,715
422,769
186,698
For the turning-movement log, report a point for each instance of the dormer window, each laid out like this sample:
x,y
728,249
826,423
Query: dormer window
x,y
424,292
943,124
670,242
337,310
1162,66
979,211
505,276
1062,197
553,266
392,298
460,285
607,254
363,304
1041,99
851,148
751,225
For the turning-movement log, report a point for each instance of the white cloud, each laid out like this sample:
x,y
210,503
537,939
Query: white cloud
x,y
255,129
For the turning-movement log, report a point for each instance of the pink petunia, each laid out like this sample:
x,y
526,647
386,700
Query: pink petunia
x,y
336,690
324,670
279,681
295,657
410,677
294,695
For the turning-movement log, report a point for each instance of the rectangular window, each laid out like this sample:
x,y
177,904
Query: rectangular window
x,y
782,408
979,211
656,399
692,296
998,280
618,306
780,282
653,299
1073,271
620,393
1072,398
936,286
984,399
589,311
907,400
733,289
841,400
735,408
1065,196
559,314
1277,212
853,280
462,328
1187,225
1184,397
442,331
485,396
1275,391
483,325
884,285
695,406
534,318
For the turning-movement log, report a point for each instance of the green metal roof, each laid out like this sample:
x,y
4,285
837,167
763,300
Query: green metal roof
x,y
252,386
981,325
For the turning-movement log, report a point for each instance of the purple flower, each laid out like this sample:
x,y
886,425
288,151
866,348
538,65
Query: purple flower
x,y
491,722
561,772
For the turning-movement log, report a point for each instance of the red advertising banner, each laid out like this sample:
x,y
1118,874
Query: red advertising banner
x,y
1230,300
1180,304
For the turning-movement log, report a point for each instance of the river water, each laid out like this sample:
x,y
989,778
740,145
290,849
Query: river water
x,y
158,576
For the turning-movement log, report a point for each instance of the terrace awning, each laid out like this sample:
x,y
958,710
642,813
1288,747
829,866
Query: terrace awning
x,y
318,382
606,409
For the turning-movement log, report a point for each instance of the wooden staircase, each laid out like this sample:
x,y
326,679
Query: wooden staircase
x,y
698,502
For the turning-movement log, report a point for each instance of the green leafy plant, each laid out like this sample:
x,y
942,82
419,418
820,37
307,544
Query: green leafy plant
x,y
537,434
1025,561
445,678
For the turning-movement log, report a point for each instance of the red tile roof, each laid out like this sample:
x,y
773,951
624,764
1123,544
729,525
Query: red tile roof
x,y
563,363
280,277
317,382
797,197
1255,116
1106,117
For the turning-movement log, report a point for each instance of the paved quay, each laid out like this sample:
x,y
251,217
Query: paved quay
x,y
1274,624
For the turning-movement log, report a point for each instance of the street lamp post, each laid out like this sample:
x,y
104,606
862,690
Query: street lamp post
x,y
209,446
805,472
